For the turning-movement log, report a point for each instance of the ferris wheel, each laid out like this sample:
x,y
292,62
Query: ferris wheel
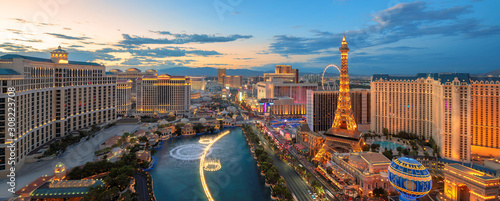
x,y
334,86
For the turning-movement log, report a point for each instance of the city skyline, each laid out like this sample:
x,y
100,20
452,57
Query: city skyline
x,y
416,36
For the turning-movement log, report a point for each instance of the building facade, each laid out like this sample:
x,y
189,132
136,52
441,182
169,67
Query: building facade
x,y
234,81
284,72
322,105
277,88
454,108
485,111
163,94
221,75
123,96
463,183
369,170
53,97
198,83
132,74
282,106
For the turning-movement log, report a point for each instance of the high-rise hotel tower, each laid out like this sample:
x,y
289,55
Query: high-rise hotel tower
x,y
52,98
163,95
460,112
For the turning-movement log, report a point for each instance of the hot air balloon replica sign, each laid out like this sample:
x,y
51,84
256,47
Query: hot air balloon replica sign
x,y
410,178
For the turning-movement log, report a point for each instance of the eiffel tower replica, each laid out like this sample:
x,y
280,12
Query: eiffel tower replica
x,y
344,132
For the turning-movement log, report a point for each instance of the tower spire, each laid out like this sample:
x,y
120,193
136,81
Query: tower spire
x,y
344,118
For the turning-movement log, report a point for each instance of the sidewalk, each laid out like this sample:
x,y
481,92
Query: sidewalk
x,y
75,155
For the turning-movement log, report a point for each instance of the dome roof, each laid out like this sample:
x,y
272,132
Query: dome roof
x,y
184,120
60,165
115,70
203,120
410,178
133,70
151,71
59,50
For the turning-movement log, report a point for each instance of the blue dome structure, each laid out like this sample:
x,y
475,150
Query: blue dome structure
x,y
410,178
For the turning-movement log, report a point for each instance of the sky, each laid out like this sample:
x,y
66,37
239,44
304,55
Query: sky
x,y
394,37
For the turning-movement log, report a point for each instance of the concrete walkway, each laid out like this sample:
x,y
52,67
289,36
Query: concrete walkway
x,y
75,155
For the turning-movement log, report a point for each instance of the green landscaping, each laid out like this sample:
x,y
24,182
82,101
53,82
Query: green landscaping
x,y
266,166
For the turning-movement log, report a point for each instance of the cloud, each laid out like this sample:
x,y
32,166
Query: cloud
x,y
162,52
75,46
400,48
23,21
180,38
62,36
28,40
402,21
12,47
187,61
244,58
15,31
216,64
132,62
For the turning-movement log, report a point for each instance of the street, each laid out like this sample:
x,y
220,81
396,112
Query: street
x,y
142,186
294,181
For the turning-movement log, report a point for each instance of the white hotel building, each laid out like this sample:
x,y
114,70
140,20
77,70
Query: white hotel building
x,y
459,111
53,97
162,95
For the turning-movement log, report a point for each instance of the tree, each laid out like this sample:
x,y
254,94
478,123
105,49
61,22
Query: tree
x,y
406,151
178,130
385,131
388,154
221,124
198,128
143,139
158,133
378,192
366,147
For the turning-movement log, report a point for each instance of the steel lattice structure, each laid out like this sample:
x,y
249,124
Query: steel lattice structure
x,y
343,116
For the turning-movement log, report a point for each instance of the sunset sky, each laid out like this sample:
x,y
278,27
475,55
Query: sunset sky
x,y
396,37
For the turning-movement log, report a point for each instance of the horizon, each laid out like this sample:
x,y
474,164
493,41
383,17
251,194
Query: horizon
x,y
405,37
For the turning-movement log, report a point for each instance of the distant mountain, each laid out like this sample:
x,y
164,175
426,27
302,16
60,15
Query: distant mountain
x,y
492,73
208,71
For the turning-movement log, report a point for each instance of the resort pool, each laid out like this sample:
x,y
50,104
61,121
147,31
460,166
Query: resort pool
x,y
388,145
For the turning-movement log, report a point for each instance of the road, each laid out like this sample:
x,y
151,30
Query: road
x,y
296,184
326,184
142,186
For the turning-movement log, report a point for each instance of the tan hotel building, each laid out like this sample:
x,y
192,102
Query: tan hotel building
x,y
123,96
132,74
459,111
163,94
53,97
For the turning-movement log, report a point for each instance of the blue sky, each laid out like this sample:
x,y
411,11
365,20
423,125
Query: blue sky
x,y
396,37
